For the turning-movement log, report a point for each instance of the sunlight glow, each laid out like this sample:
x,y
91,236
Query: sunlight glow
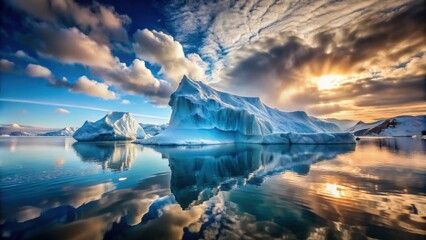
x,y
329,81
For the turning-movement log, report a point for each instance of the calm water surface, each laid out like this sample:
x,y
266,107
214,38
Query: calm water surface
x,y
56,188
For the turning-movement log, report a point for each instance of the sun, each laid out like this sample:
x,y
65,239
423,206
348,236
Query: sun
x,y
329,81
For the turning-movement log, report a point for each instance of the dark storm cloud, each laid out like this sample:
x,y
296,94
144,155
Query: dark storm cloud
x,y
376,42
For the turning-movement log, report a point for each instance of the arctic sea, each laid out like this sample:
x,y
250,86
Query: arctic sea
x,y
56,188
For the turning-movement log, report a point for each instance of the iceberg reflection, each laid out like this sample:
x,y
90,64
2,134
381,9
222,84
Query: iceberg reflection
x,y
198,173
117,156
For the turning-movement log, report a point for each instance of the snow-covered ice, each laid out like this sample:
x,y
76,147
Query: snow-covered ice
x,y
113,126
202,115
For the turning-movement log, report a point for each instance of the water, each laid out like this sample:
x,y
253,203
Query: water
x,y
55,188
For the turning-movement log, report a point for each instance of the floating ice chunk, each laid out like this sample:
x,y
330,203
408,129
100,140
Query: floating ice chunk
x,y
114,126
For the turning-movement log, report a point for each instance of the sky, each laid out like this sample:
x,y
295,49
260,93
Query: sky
x,y
66,61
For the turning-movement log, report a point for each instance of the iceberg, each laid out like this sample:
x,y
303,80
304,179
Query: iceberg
x,y
113,126
203,115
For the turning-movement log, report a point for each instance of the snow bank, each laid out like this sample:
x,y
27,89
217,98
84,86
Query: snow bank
x,y
114,126
202,115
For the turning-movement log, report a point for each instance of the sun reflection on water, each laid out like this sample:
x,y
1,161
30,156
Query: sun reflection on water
x,y
335,190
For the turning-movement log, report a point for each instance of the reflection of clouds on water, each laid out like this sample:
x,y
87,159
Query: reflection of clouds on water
x,y
340,199
198,173
68,143
71,196
117,156
97,213
170,225
91,228
363,185
59,162
226,221
13,144
27,213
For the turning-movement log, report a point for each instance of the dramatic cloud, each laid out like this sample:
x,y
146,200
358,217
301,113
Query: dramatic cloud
x,y
331,59
6,65
102,23
92,88
283,50
62,111
138,79
73,46
34,70
160,48
356,63
69,46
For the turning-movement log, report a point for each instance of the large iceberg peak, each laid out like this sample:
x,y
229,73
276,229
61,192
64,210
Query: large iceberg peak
x,y
196,105
203,115
113,126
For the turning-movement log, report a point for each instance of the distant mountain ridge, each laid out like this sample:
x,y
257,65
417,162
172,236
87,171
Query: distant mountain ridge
x,y
400,126
23,130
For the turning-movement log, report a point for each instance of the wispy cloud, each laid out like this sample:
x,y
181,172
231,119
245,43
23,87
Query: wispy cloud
x,y
125,102
62,111
73,106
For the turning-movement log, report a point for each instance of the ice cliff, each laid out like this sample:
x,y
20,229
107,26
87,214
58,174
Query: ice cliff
x,y
203,115
113,126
